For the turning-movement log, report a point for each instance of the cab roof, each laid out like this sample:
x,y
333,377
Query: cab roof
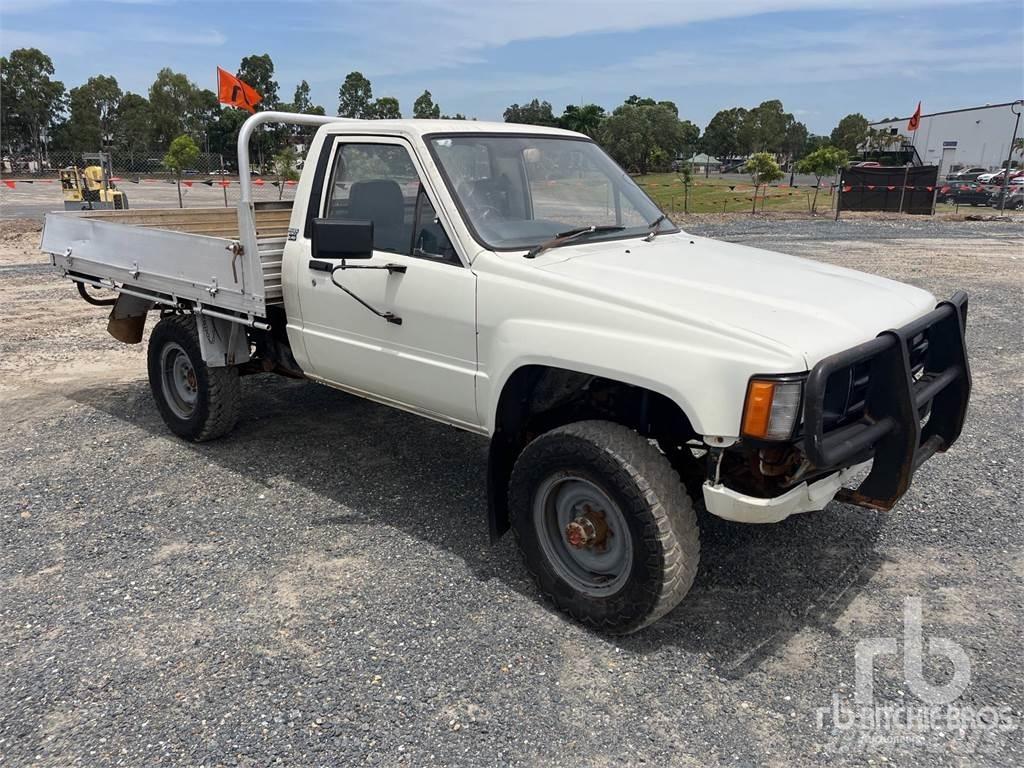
x,y
413,127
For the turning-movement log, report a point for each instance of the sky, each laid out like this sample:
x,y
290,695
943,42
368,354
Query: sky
x,y
822,58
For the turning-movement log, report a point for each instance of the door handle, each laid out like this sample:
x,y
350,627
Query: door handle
x,y
321,266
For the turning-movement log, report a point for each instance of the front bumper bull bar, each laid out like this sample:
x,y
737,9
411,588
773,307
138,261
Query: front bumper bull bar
x,y
890,429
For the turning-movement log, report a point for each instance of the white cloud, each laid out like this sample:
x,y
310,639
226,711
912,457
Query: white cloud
x,y
84,43
406,36
856,53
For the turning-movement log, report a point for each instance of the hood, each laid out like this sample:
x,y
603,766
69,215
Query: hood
x,y
811,308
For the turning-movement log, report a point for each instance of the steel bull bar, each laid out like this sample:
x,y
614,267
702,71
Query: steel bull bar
x,y
895,404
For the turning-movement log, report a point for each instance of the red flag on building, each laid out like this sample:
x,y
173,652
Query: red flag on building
x,y
231,90
915,119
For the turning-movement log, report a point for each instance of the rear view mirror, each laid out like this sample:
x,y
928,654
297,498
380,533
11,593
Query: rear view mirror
x,y
342,239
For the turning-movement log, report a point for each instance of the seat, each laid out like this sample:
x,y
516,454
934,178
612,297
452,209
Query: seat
x,y
382,202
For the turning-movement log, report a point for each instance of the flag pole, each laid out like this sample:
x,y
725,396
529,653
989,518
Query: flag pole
x,y
916,121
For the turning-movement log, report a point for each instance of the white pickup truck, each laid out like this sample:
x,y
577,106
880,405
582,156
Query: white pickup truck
x,y
512,281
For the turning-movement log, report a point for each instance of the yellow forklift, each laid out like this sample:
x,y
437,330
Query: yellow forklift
x,y
91,188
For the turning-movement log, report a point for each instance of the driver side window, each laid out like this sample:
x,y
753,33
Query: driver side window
x,y
379,183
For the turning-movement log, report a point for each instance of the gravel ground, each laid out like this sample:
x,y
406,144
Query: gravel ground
x,y
317,588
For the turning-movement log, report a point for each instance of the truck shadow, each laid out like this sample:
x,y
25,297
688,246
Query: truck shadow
x,y
757,585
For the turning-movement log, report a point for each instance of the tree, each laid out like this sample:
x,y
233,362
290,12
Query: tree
x,y
850,133
644,137
132,123
223,133
456,116
794,144
386,108
424,107
815,142
301,101
691,138
94,107
765,127
30,102
355,97
182,155
258,71
763,170
586,119
721,137
179,106
535,113
286,168
822,162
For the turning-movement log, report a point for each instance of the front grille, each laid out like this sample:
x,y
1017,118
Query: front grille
x,y
847,389
898,398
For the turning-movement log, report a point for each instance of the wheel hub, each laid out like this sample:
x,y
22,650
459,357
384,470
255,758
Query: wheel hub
x,y
583,533
589,530
180,382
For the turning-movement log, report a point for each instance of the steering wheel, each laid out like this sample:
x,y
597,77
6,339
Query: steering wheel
x,y
472,199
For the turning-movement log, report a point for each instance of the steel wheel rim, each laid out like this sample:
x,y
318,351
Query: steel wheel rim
x,y
598,570
178,377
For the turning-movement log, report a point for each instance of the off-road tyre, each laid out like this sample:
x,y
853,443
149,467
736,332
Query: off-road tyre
x,y
657,510
216,391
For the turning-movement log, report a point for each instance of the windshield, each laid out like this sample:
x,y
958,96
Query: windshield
x,y
518,191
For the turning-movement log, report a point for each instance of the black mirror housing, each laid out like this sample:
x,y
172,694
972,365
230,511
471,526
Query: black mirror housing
x,y
342,239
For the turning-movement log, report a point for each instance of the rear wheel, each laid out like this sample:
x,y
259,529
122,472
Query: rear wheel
x,y
604,525
196,402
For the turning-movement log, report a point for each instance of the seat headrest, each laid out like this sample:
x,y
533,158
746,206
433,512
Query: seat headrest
x,y
379,199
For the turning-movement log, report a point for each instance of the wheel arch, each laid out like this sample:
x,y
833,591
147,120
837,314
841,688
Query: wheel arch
x,y
538,397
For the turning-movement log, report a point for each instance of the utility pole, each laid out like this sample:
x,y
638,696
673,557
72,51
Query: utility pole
x,y
1015,108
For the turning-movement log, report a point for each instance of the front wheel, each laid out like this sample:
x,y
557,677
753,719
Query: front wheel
x,y
604,525
196,402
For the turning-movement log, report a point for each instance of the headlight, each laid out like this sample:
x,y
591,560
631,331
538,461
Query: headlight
x,y
772,408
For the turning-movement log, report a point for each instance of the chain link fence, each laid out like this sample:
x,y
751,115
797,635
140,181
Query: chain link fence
x,y
30,187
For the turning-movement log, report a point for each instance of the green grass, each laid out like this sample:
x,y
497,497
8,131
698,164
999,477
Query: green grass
x,y
714,196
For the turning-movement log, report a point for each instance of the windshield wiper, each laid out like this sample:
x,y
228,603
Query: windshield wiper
x,y
568,236
652,228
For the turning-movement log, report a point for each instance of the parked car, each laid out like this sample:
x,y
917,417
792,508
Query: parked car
x,y
967,174
1014,198
963,193
625,373
998,178
986,178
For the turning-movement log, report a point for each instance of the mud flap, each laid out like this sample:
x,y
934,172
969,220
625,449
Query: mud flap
x,y
222,342
128,318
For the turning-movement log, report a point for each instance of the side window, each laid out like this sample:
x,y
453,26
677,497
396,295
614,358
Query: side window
x,y
378,183
430,241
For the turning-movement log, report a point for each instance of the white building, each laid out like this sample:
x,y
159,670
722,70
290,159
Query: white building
x,y
959,138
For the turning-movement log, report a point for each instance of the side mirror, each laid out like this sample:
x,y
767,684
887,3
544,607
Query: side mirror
x,y
342,239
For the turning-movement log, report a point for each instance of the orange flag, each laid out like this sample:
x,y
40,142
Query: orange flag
x,y
915,119
231,90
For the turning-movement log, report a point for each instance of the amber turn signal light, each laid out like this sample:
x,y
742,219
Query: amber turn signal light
x,y
771,409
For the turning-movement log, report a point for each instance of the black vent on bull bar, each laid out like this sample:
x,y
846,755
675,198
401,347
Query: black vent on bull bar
x,y
846,392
